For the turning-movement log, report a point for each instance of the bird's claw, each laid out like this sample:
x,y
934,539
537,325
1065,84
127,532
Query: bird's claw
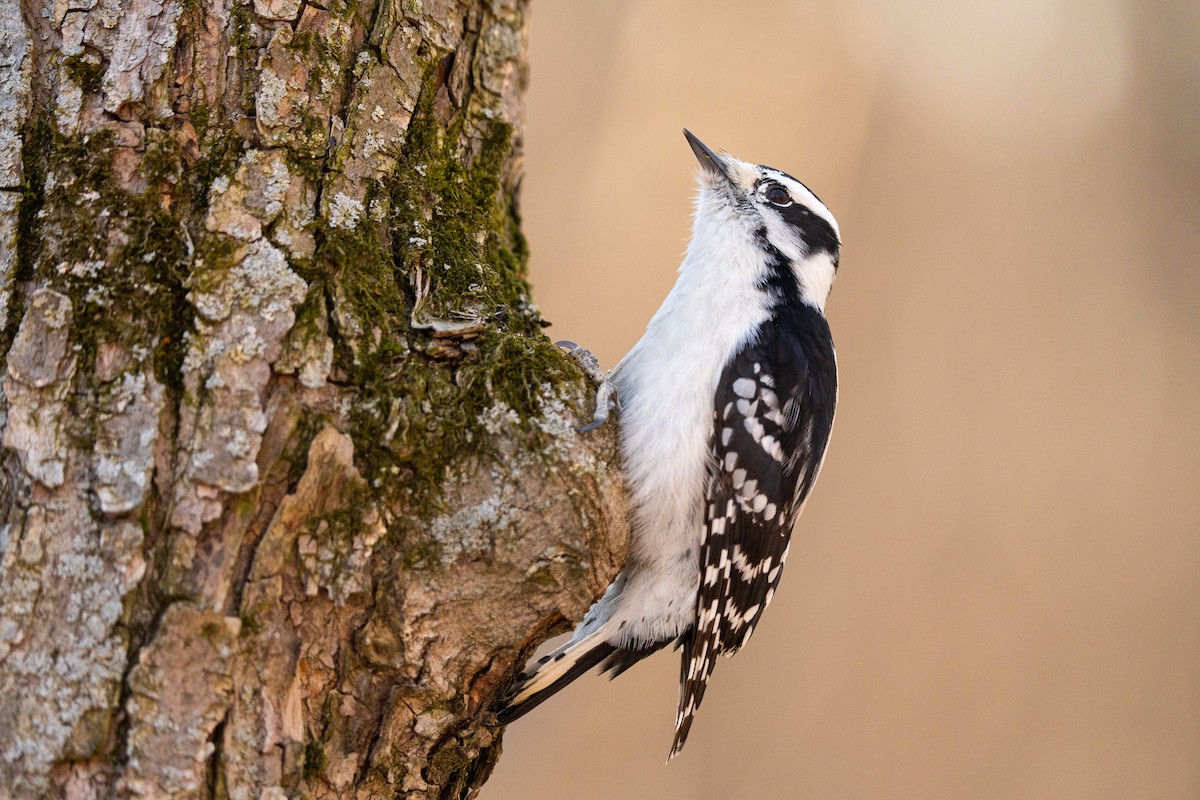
x,y
606,390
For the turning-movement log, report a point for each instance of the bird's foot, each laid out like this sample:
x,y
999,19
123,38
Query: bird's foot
x,y
606,390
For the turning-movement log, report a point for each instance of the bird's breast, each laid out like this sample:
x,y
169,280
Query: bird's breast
x,y
666,387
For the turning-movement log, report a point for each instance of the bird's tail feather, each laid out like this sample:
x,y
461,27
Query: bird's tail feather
x,y
694,672
552,672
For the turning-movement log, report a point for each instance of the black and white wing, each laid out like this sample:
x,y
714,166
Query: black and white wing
x,y
773,414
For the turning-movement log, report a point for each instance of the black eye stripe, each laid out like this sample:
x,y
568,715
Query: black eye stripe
x,y
816,232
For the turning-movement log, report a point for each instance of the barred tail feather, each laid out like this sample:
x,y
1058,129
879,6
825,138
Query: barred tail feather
x,y
552,672
696,665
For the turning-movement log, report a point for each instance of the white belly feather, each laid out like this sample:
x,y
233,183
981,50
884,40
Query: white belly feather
x,y
666,386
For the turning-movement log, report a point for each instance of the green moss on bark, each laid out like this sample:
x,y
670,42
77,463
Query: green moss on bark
x,y
87,73
162,159
120,256
453,220
450,220
221,149
315,759
38,136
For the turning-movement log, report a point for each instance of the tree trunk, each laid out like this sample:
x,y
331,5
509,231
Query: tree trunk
x,y
290,480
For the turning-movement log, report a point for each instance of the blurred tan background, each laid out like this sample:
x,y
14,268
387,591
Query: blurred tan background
x,y
995,591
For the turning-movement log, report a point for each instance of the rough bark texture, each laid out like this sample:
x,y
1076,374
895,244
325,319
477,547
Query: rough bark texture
x,y
289,474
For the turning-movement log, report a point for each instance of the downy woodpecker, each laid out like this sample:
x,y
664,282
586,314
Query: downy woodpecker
x,y
726,405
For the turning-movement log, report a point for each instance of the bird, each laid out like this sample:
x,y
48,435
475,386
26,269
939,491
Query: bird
x,y
725,407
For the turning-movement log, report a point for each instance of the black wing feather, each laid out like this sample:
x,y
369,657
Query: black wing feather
x,y
772,417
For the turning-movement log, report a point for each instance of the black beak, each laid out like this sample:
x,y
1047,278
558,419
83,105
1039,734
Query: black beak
x,y
710,161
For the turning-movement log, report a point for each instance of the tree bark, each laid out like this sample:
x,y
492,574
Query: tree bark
x,y
290,480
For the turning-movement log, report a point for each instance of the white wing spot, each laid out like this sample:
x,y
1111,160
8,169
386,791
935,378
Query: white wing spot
x,y
730,460
739,478
746,408
726,433
744,387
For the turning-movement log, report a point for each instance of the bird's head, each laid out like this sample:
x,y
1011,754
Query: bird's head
x,y
745,207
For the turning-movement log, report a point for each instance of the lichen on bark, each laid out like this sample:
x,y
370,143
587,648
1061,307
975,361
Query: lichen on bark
x,y
291,478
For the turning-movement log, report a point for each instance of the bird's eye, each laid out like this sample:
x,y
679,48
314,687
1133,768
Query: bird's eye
x,y
777,195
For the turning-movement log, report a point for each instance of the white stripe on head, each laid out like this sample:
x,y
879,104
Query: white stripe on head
x,y
805,196
746,176
814,271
